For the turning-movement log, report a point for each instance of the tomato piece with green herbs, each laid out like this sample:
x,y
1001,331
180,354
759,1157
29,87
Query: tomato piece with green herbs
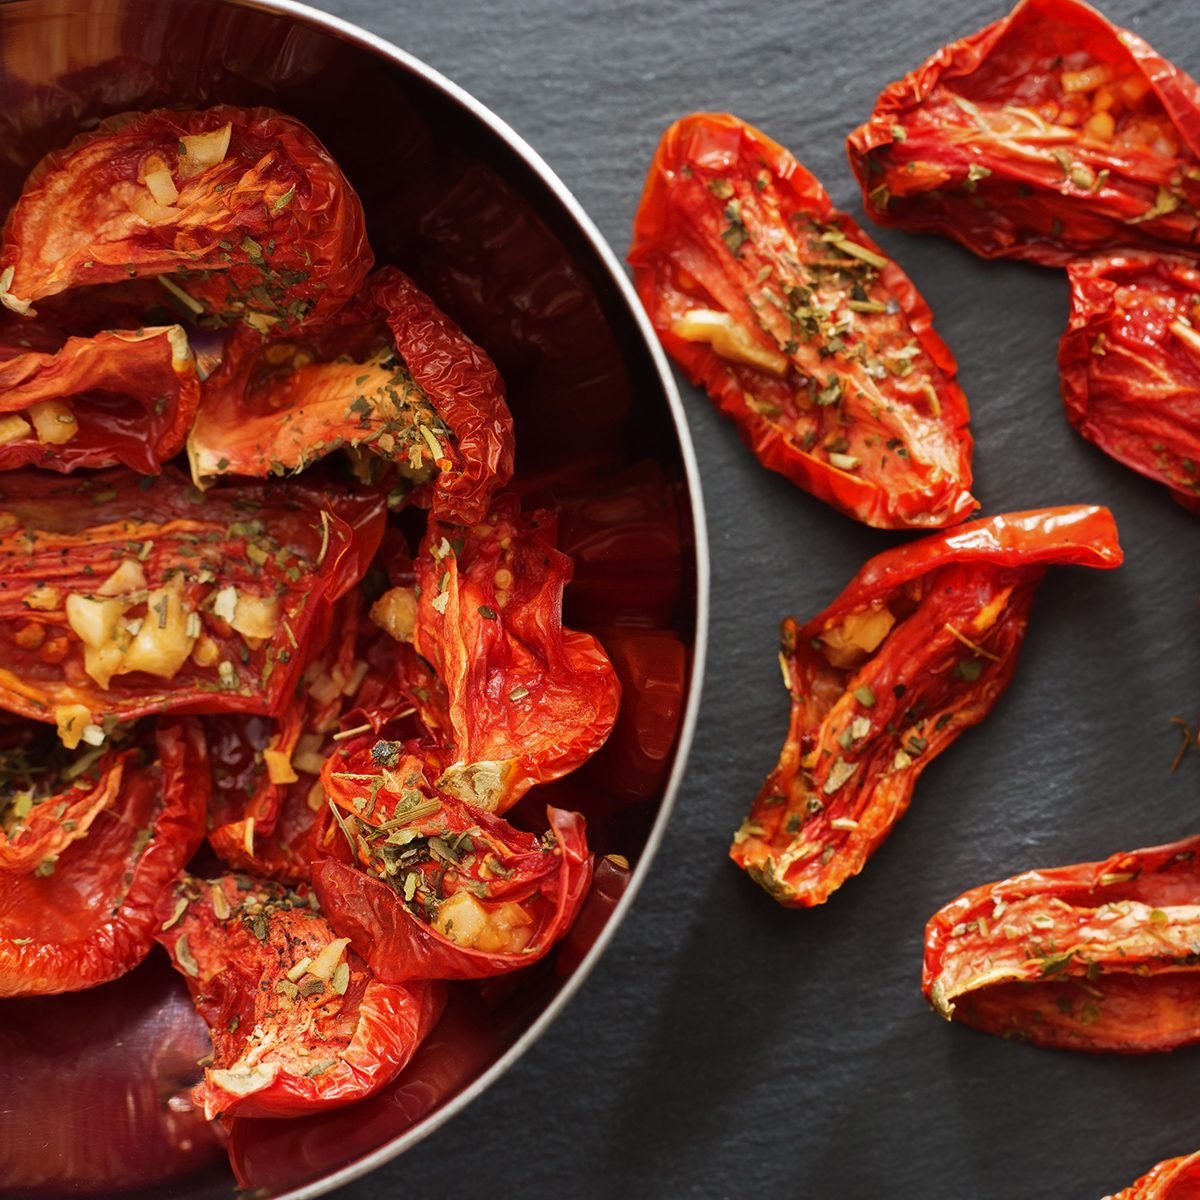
x,y
800,327
429,887
1049,134
1172,1179
298,1022
240,212
1130,363
529,701
275,408
1096,956
119,397
109,835
127,595
917,648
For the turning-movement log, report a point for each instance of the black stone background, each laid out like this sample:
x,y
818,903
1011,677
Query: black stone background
x,y
725,1047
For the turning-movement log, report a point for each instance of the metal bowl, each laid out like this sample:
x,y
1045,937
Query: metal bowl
x,y
456,198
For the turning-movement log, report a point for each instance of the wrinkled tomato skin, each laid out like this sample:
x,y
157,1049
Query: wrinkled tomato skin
x,y
526,695
1129,364
1172,1179
867,719
91,919
301,548
273,234
464,387
963,145
1094,957
132,395
236,963
903,421
400,947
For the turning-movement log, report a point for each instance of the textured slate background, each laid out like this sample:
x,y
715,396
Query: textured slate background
x,y
724,1045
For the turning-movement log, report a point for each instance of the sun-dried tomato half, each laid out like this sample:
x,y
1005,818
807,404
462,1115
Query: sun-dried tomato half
x,y
394,382
1172,1179
298,1022
917,648
529,700
1097,956
128,595
118,397
108,841
1050,133
799,326
428,887
1130,363
241,212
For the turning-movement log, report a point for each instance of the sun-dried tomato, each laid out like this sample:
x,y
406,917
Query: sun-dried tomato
x,y
241,212
1050,133
916,649
118,397
1096,956
799,326
1130,363
84,912
128,595
298,1022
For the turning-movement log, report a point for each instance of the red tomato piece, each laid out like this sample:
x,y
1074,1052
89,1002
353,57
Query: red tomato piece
x,y
298,1022
1097,956
118,397
394,382
529,701
1130,364
130,595
1172,1179
917,648
800,327
428,887
1049,134
85,913
465,389
241,211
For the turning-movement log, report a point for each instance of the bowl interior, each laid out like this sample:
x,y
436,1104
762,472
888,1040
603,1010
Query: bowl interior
x,y
452,199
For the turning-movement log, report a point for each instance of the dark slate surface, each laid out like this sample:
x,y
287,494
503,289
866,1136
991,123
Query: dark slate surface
x,y
725,1046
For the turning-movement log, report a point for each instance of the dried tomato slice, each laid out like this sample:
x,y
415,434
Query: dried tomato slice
x,y
266,794
128,595
529,701
1130,363
393,379
439,889
1050,133
118,397
799,326
242,211
84,914
1172,1179
298,1022
916,649
1096,956
464,387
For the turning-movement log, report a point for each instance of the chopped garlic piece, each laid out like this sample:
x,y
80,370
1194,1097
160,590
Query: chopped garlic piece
x,y
324,965
199,151
71,720
255,616
162,645
279,767
13,428
128,577
728,339
396,612
54,422
856,635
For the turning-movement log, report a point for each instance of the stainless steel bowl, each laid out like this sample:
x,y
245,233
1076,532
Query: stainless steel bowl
x,y
455,197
